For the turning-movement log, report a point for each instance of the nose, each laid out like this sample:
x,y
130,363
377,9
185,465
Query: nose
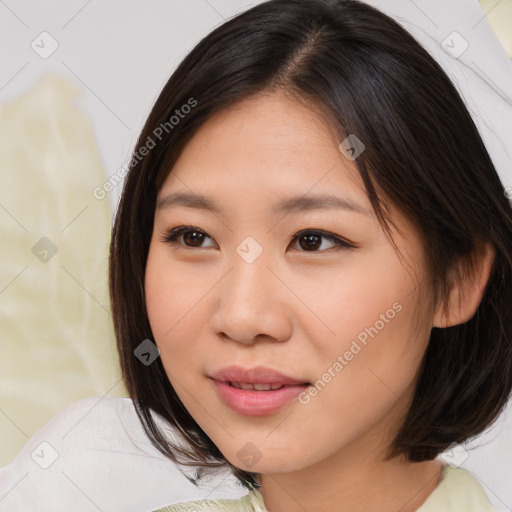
x,y
252,303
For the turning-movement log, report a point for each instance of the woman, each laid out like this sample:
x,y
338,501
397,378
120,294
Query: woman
x,y
297,100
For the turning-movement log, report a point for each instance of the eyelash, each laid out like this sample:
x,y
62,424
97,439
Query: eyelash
x,y
172,234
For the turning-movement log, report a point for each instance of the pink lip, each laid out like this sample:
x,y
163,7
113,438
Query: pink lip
x,y
256,375
252,402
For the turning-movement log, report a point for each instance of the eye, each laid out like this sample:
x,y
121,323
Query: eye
x,y
191,235
310,240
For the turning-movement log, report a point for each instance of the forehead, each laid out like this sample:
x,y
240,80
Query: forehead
x,y
267,122
266,143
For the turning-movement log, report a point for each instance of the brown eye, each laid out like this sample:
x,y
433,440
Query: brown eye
x,y
311,241
192,237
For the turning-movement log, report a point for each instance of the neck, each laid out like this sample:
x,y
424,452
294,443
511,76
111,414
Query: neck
x,y
347,482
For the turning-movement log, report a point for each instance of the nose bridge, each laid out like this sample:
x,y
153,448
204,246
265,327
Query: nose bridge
x,y
249,302
250,277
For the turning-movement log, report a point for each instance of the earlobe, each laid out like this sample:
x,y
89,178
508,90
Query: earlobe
x,y
466,292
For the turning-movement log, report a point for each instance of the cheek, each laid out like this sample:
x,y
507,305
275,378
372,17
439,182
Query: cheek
x,y
378,333
176,315
166,300
170,293
368,299
361,385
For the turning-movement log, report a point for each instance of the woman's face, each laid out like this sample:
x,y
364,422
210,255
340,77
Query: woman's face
x,y
240,288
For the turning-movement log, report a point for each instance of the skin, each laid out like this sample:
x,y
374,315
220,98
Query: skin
x,y
293,310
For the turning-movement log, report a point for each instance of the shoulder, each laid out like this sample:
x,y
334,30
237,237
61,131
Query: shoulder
x,y
94,454
458,491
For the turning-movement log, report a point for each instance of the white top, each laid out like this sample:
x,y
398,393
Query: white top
x,y
458,491
94,455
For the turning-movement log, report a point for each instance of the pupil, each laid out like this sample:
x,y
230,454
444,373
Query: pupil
x,y
188,237
311,241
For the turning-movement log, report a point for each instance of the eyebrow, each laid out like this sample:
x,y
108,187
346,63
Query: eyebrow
x,y
298,203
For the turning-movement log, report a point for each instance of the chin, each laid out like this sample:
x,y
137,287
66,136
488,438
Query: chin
x,y
259,462
269,467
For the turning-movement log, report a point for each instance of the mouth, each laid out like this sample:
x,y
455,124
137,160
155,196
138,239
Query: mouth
x,y
262,387
256,391
257,378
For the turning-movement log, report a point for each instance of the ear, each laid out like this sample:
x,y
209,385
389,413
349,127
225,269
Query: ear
x,y
466,293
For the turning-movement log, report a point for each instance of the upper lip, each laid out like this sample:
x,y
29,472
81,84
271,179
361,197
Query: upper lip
x,y
256,375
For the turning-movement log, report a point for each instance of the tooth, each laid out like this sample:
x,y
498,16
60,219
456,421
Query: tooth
x,y
262,387
257,387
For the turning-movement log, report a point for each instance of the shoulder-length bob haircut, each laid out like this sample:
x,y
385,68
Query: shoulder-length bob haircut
x,y
369,77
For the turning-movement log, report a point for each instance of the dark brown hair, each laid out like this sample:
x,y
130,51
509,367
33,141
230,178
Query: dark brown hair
x,y
369,77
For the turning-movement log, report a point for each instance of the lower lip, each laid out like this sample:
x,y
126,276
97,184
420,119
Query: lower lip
x,y
256,403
